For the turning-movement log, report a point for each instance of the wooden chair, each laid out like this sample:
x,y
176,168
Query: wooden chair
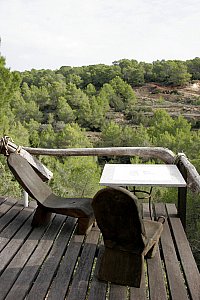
x,y
127,237
47,201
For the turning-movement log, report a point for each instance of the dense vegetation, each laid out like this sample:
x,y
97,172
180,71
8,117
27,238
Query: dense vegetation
x,y
64,108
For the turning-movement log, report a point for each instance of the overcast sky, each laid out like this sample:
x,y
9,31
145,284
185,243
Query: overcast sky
x,y
48,34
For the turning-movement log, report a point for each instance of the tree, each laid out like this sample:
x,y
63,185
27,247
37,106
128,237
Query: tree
x,y
99,74
174,134
9,84
74,176
193,67
90,90
64,111
161,122
111,135
25,110
98,112
124,97
148,71
108,94
135,137
8,187
75,79
132,71
171,72
47,136
33,128
71,136
80,104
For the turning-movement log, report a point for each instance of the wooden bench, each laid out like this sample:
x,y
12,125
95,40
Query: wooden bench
x,y
52,262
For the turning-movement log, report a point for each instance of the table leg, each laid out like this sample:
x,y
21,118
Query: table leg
x,y
182,195
182,199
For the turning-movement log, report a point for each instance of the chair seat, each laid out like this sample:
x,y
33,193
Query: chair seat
x,y
75,207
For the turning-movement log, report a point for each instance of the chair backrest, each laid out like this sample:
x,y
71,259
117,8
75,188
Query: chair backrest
x,y
119,219
28,178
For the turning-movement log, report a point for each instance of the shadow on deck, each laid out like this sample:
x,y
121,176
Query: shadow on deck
x,y
54,263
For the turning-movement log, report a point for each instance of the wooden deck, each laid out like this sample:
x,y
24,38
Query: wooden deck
x,y
54,263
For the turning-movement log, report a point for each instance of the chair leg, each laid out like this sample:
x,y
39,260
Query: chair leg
x,y
121,267
85,225
41,217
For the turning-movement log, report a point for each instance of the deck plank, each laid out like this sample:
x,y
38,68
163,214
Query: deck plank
x,y
14,244
6,205
16,265
8,217
139,293
14,227
98,288
23,283
80,281
117,292
62,279
44,279
188,263
156,281
174,275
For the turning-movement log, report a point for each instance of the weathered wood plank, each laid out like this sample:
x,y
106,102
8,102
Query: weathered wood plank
x,y
16,265
139,293
61,282
98,288
157,286
23,283
44,279
6,206
7,218
118,292
14,244
80,281
175,278
188,263
8,232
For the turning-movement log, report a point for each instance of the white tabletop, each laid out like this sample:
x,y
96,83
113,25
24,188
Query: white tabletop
x,y
142,175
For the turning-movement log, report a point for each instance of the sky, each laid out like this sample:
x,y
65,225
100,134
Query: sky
x,y
48,34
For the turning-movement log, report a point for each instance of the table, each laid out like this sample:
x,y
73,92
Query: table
x,y
142,175
147,175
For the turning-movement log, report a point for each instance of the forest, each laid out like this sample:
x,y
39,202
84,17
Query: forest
x,y
78,107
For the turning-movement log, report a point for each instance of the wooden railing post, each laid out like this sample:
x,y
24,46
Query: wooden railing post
x,y
182,195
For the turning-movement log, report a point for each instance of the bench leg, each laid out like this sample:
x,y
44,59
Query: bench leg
x,y
41,217
85,225
121,267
